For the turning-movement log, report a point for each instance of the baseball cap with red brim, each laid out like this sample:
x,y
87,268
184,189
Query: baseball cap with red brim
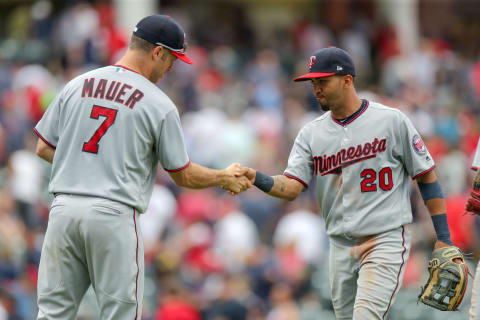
x,y
164,31
328,62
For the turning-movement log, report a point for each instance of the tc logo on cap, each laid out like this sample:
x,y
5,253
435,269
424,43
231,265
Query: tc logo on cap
x,y
311,62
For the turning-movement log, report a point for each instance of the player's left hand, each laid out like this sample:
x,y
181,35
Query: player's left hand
x,y
473,203
448,278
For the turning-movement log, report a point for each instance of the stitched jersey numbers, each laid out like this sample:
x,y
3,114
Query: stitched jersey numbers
x,y
110,115
370,180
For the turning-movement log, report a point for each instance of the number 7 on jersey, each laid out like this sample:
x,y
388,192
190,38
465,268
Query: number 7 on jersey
x,y
110,115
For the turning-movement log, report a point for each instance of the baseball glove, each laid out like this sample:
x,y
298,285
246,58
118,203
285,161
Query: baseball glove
x,y
473,203
447,282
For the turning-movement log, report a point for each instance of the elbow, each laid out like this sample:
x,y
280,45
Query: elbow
x,y
42,150
293,194
180,183
291,197
41,153
38,151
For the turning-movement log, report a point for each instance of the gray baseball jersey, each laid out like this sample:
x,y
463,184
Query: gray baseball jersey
x,y
475,306
110,128
362,168
476,158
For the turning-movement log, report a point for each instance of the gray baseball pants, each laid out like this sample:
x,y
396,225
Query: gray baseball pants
x,y
91,241
475,306
366,274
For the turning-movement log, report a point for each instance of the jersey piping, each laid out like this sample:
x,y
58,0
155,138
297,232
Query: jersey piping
x,y
399,272
295,178
360,111
178,169
43,139
426,171
138,267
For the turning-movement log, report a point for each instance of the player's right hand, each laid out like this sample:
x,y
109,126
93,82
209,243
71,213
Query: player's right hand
x,y
473,203
236,181
249,173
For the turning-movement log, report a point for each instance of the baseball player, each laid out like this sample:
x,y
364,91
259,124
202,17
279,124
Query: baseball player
x,y
105,134
473,205
362,155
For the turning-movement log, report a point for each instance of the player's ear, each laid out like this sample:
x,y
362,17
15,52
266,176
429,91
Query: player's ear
x,y
157,52
348,81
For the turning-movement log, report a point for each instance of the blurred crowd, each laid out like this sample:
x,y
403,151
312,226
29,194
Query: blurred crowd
x,y
209,255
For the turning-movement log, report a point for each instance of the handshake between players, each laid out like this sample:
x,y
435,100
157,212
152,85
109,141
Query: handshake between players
x,y
238,178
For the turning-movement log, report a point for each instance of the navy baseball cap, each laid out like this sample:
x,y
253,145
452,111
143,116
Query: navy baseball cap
x,y
164,31
328,62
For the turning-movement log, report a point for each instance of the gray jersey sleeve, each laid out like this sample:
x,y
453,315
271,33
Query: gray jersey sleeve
x,y
48,128
416,158
476,158
300,161
171,149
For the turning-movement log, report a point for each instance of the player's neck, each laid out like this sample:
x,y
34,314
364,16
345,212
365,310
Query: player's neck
x,y
347,107
135,62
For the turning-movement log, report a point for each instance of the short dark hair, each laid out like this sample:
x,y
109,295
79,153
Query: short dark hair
x,y
137,43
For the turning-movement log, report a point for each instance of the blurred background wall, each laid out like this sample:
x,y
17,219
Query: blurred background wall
x,y
208,255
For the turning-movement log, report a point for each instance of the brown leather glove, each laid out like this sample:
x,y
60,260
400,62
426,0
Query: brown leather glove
x,y
473,203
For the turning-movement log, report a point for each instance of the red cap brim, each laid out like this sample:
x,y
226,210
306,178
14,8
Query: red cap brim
x,y
183,57
312,75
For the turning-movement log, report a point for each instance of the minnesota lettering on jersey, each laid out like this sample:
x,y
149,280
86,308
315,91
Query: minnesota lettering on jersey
x,y
115,91
332,164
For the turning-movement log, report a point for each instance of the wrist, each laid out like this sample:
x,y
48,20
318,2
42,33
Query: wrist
x,y
223,176
252,175
263,182
440,244
440,224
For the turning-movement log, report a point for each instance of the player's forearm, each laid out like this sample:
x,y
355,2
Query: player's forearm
x,y
436,206
196,176
283,188
432,193
434,199
278,186
199,177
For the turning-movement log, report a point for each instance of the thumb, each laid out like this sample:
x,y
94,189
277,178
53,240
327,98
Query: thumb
x,y
241,171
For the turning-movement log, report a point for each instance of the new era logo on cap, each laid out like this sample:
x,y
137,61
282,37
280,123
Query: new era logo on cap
x,y
328,62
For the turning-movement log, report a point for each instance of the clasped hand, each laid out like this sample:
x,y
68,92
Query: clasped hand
x,y
238,178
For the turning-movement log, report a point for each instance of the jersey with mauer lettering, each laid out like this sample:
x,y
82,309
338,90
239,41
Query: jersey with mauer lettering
x,y
110,127
362,168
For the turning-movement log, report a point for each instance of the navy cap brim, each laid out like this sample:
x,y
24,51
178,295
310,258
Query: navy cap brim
x,y
312,75
182,56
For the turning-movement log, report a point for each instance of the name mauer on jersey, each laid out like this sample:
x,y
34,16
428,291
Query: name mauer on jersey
x,y
112,90
332,164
